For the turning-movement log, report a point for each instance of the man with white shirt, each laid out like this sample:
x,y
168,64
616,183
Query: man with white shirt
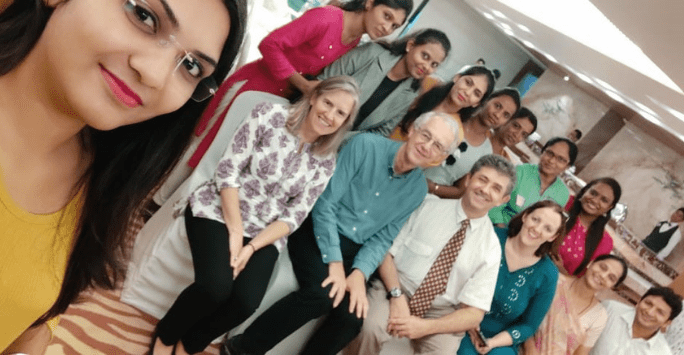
x,y
404,303
666,235
638,331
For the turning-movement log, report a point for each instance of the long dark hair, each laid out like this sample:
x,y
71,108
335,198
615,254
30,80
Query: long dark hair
x,y
128,162
432,98
360,5
595,231
516,223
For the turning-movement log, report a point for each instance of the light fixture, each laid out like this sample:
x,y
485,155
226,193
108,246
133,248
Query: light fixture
x,y
498,13
645,108
584,77
524,28
615,96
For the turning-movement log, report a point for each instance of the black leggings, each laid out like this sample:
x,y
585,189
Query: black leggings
x,y
215,303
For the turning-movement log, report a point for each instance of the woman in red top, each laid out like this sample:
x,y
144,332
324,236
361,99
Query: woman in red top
x,y
304,47
589,212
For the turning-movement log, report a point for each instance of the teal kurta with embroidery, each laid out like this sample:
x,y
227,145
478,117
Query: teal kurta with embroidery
x,y
521,300
526,192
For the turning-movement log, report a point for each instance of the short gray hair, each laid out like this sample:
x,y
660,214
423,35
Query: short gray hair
x,y
501,165
447,118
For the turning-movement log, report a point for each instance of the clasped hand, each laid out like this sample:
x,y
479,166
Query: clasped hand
x,y
401,323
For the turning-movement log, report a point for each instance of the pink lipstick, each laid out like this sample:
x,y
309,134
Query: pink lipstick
x,y
122,92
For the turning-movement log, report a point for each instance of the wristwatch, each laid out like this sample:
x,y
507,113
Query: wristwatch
x,y
394,293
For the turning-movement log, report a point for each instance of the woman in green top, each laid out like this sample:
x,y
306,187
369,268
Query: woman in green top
x,y
539,182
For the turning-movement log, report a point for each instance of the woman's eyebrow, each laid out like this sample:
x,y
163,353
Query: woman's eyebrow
x,y
170,14
174,22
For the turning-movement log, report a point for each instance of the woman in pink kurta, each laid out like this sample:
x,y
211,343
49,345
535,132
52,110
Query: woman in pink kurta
x,y
304,47
589,212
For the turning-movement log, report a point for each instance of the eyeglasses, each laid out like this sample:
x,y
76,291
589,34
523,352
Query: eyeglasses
x,y
142,15
425,136
556,157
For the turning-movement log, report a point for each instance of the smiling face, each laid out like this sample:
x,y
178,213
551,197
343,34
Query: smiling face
x,y
555,159
328,112
428,144
515,130
483,190
597,200
539,226
423,59
652,313
113,62
497,111
603,274
382,20
468,90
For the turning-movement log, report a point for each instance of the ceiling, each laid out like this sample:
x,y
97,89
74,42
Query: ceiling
x,y
656,27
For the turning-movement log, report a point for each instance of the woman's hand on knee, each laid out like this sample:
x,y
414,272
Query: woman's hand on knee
x,y
358,301
338,281
243,257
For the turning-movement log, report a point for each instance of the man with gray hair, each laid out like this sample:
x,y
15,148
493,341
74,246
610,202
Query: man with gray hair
x,y
376,186
438,279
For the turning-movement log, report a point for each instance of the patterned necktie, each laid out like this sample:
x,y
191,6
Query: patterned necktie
x,y
436,279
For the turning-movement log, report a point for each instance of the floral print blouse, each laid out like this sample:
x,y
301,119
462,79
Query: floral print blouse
x,y
276,179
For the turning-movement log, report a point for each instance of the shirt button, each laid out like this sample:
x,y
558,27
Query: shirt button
x,y
330,46
325,255
377,194
354,229
317,237
322,56
365,211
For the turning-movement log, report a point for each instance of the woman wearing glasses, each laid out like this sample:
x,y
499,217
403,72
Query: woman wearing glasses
x,y
496,109
589,213
539,182
278,163
95,108
303,48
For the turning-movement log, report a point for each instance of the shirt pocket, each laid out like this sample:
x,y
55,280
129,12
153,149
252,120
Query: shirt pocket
x,y
418,248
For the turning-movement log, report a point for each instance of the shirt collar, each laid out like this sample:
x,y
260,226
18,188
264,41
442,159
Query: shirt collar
x,y
628,317
475,223
390,166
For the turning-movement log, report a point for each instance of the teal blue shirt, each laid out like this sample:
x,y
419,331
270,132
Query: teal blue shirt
x,y
526,193
366,201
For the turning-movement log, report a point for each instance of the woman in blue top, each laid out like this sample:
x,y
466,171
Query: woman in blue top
x,y
526,283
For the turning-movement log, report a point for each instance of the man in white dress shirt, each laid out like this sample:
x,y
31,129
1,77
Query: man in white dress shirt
x,y
666,235
638,331
470,283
